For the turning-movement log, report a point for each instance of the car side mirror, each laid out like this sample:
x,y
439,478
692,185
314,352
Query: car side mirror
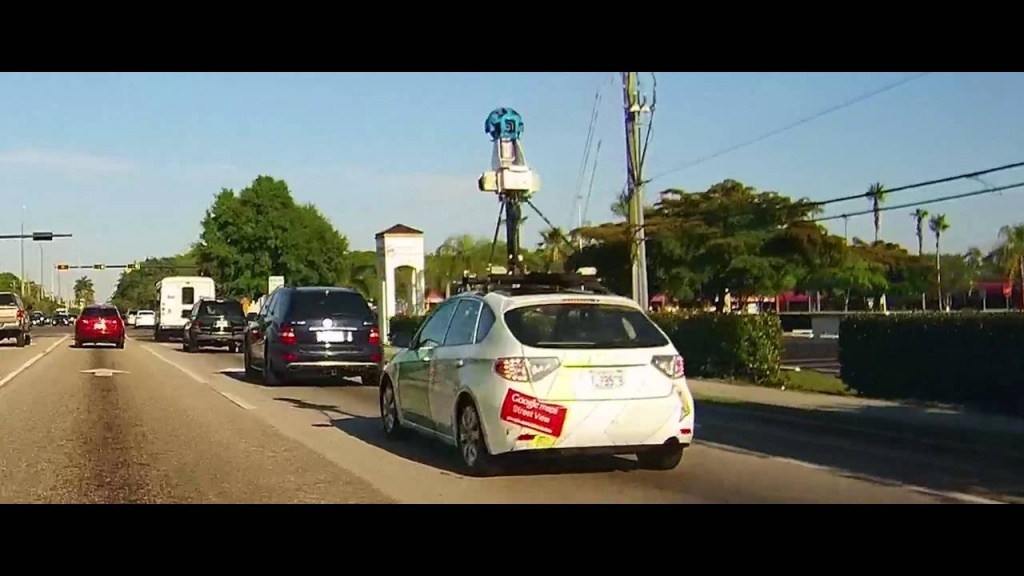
x,y
401,339
251,317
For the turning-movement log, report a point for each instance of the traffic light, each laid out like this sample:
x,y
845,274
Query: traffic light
x,y
63,267
132,266
42,236
98,266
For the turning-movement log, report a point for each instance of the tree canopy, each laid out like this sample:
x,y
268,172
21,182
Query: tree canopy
x,y
260,232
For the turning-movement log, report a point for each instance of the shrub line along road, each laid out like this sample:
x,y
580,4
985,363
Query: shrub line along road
x,y
152,424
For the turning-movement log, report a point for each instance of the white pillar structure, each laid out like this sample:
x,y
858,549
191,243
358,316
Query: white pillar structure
x,y
399,246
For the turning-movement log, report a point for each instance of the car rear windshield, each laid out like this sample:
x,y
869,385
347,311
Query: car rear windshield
x,y
8,300
318,304
99,313
227,309
145,313
589,326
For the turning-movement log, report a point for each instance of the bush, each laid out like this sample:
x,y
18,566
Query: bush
x,y
403,323
969,359
736,346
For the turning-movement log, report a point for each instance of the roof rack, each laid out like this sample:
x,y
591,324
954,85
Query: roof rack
x,y
583,281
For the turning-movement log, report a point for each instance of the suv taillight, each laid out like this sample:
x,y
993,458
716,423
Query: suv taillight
x,y
21,314
286,335
374,335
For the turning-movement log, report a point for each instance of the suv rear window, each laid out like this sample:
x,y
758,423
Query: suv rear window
x,y
230,309
317,304
99,313
8,300
588,326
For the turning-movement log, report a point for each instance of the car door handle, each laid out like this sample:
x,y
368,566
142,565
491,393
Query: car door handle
x,y
460,363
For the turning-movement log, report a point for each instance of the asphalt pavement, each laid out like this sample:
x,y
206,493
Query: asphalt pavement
x,y
151,423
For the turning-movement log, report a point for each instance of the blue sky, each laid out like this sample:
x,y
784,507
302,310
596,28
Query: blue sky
x,y
128,163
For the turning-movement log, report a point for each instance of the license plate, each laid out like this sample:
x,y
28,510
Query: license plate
x,y
606,379
334,336
222,324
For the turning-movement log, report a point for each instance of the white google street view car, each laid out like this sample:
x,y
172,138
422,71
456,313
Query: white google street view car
x,y
533,366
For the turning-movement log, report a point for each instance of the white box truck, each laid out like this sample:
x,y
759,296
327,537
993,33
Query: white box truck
x,y
177,295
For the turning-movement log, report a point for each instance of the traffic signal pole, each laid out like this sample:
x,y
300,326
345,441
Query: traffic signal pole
x,y
35,237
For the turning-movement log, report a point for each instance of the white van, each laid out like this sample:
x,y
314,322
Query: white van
x,y
177,296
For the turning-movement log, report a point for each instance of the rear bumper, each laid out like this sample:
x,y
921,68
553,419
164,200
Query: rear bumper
x,y
99,337
325,362
218,339
595,426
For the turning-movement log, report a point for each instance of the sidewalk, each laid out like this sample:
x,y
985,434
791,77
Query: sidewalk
x,y
895,414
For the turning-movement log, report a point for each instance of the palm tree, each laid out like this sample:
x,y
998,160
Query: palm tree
x,y
920,217
1010,254
554,247
876,194
85,293
938,224
620,207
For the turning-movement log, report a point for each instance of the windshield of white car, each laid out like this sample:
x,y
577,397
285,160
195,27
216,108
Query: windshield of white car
x,y
585,326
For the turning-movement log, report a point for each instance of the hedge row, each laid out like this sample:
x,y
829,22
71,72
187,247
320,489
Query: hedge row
x,y
971,359
734,346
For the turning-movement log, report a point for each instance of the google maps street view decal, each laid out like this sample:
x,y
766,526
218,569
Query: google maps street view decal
x,y
529,412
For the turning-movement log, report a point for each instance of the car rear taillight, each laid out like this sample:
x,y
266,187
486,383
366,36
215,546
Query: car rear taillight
x,y
286,335
671,366
21,314
524,369
374,335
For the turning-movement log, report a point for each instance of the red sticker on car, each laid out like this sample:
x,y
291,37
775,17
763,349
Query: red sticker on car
x,y
529,412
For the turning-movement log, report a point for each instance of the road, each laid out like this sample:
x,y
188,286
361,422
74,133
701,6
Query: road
x,y
166,426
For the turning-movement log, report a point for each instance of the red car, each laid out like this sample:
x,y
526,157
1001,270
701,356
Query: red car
x,y
99,324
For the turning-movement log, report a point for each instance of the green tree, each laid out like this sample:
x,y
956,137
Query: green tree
x,y
136,289
711,243
260,232
85,292
938,224
1010,254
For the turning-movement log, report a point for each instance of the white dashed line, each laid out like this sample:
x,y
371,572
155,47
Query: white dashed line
x,y
227,395
14,374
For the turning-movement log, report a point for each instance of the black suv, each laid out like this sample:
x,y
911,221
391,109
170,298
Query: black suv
x,y
323,331
214,322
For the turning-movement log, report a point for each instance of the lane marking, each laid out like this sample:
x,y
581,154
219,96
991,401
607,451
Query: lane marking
x,y
227,395
14,374
961,496
238,401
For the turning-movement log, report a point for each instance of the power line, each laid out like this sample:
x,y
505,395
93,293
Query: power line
x,y
967,175
921,203
797,124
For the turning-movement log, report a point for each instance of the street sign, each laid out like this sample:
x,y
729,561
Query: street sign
x,y
42,236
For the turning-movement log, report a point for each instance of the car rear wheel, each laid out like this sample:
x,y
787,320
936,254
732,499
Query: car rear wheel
x,y
270,375
371,378
476,459
389,411
20,340
120,344
250,372
663,458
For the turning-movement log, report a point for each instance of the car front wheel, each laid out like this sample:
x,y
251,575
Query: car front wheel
x,y
389,411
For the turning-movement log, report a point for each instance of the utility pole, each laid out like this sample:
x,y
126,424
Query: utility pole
x,y
42,275
634,108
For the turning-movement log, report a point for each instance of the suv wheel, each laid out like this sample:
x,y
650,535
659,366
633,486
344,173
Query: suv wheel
x,y
20,340
270,376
